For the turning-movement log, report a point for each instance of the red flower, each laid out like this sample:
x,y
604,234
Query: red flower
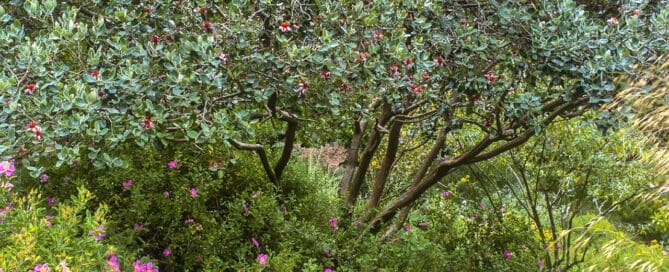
x,y
426,75
167,37
32,124
147,10
325,74
635,13
95,73
621,9
408,62
463,22
147,123
362,57
302,87
30,88
285,26
207,26
344,86
492,78
155,39
319,18
439,61
395,70
203,10
416,89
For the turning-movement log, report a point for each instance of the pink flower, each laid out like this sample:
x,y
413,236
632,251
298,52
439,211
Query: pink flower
x,y
328,253
614,21
112,264
223,57
155,39
40,268
302,87
416,89
426,75
541,264
325,74
395,70
30,88
207,26
43,178
127,183
445,193
333,223
98,233
407,228
138,226
491,77
172,164
439,61
362,57
63,266
189,221
95,73
255,242
167,193
51,200
408,63
7,168
48,220
7,185
635,13
507,254
423,225
328,270
262,258
245,208
167,252
193,192
357,222
285,26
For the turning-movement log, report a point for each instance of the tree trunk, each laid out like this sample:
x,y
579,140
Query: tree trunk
x,y
386,165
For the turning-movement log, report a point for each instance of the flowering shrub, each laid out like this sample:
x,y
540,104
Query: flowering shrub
x,y
62,237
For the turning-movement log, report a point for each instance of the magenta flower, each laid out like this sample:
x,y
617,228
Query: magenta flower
x,y
357,222
112,264
407,227
333,223
507,254
137,266
255,242
445,193
245,208
148,267
167,252
51,200
541,264
43,178
167,193
40,268
262,258
172,164
127,183
189,221
328,270
7,168
98,233
193,192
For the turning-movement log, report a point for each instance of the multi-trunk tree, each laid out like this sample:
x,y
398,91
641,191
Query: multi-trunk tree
x,y
82,77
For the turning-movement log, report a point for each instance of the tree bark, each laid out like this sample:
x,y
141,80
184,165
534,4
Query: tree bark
x,y
386,165
258,149
288,143
351,161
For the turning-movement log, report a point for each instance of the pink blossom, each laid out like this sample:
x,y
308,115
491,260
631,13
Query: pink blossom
x,y
333,223
357,222
245,208
635,13
7,168
423,225
491,77
255,242
407,228
325,74
193,192
328,270
445,193
172,164
614,21
112,263
48,220
167,252
40,268
138,226
51,200
43,178
127,183
63,266
167,193
328,253
262,258
507,254
7,185
223,57
541,264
